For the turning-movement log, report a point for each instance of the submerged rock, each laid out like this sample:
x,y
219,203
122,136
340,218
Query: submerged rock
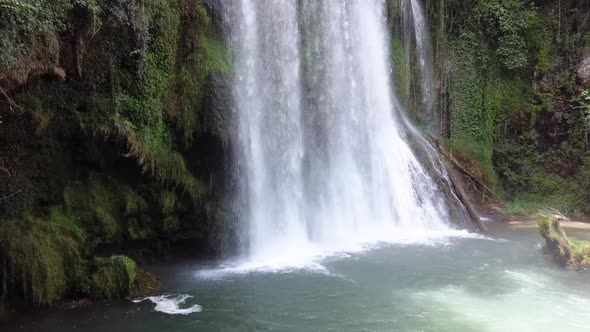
x,y
568,251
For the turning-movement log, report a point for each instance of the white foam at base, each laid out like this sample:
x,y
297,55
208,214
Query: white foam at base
x,y
309,256
532,302
170,304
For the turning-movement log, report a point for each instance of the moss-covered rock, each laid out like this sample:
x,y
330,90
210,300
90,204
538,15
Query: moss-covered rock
x,y
41,257
99,204
114,277
146,284
568,251
42,261
119,277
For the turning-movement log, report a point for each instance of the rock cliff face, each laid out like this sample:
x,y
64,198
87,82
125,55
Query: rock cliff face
x,y
114,118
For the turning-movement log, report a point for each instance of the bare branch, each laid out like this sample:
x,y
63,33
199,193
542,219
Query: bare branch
x,y
6,171
13,105
11,195
558,215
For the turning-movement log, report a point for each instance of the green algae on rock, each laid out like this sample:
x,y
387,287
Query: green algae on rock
x,y
568,251
41,257
114,277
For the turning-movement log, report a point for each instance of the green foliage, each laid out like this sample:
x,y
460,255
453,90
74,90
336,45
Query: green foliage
x,y
21,22
134,203
98,205
140,225
516,164
43,255
474,101
163,79
515,97
484,102
110,210
168,202
155,151
580,252
474,153
119,277
493,47
512,27
137,87
523,172
145,100
114,277
44,261
170,208
16,5
521,208
207,53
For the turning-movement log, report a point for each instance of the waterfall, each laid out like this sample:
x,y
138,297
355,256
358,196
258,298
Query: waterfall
x,y
415,33
324,150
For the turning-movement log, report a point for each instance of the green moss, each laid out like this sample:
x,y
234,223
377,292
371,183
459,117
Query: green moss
x,y
114,277
109,210
473,152
43,256
168,202
400,70
140,228
580,252
119,277
135,204
98,204
155,152
547,228
144,100
209,54
569,251
146,284
170,208
473,101
22,22
556,241
171,224
515,96
521,208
